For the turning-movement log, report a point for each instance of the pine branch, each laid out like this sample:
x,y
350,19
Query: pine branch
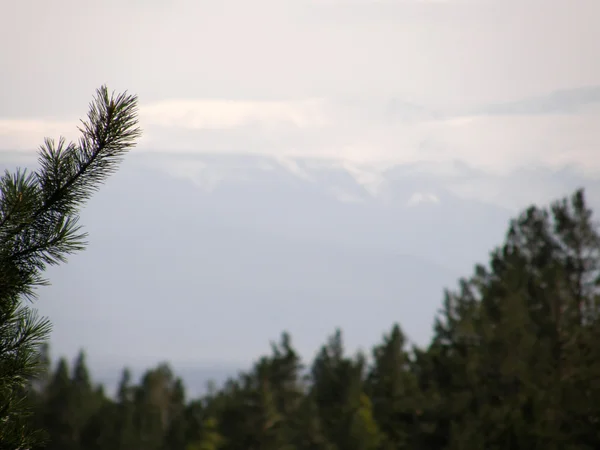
x,y
40,209
74,173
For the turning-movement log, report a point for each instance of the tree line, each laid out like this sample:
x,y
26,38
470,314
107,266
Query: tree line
x,y
514,363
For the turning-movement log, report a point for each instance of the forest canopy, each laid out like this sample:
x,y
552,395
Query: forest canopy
x,y
514,363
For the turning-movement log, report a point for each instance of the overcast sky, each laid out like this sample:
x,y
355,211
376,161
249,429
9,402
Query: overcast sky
x,y
311,77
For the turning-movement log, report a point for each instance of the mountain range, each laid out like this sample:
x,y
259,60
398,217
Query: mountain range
x,y
202,260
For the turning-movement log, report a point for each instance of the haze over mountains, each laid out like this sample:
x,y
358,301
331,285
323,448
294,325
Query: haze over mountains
x,y
214,255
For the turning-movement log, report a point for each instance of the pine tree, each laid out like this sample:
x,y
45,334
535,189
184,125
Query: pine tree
x,y
514,345
100,429
338,388
364,431
210,438
58,413
308,428
176,431
154,406
39,227
125,434
85,400
393,390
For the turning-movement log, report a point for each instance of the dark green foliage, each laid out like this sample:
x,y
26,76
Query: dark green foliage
x,y
514,363
39,227
392,386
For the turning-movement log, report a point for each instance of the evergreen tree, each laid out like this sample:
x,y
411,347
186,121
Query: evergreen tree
x,y
100,428
393,389
125,433
84,397
338,388
39,226
58,414
513,338
154,406
175,437
203,430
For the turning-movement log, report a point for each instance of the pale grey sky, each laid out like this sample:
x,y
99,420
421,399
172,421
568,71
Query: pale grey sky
x,y
311,77
452,52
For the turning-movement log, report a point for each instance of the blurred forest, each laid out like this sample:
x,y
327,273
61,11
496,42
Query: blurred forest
x,y
514,363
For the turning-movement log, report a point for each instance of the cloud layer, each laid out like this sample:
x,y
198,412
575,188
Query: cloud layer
x,y
497,139
499,86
